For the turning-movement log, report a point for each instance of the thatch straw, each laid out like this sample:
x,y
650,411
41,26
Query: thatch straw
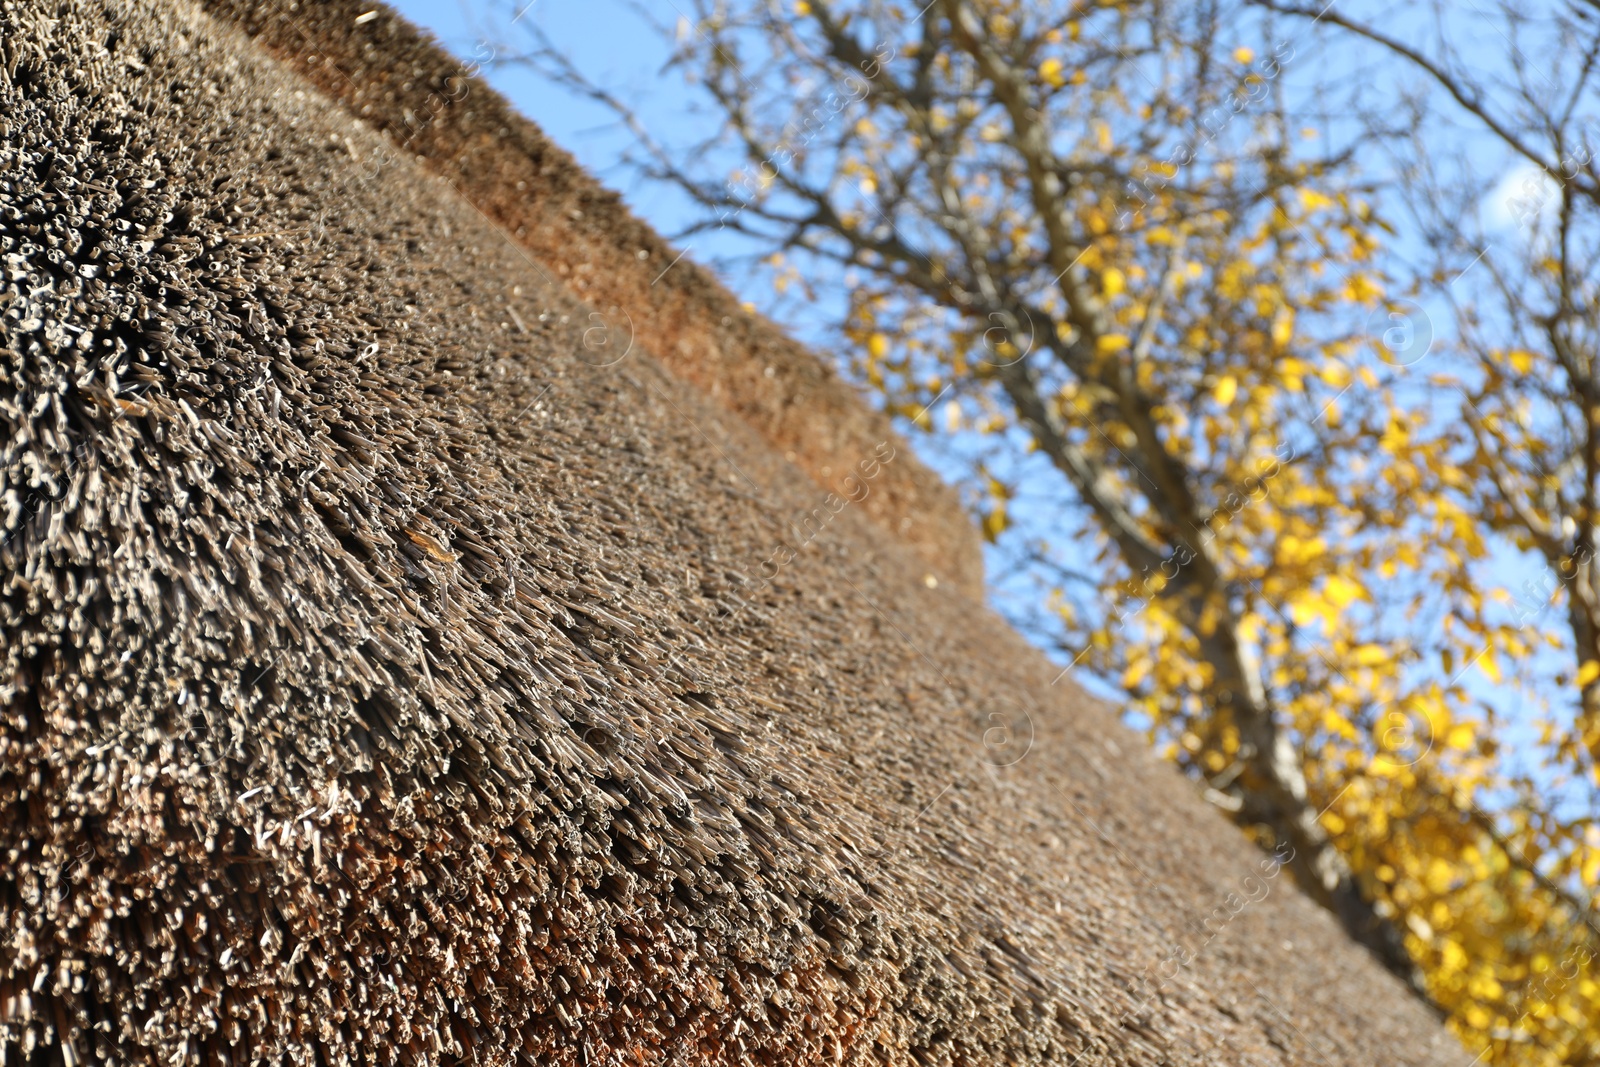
x,y
385,681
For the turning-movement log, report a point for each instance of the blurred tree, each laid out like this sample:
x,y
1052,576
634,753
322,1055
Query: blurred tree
x,y
1103,240
1510,255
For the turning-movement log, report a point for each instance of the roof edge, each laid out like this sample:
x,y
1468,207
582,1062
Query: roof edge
x,y
395,77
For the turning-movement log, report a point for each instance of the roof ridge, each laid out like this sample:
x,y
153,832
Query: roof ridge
x,y
499,161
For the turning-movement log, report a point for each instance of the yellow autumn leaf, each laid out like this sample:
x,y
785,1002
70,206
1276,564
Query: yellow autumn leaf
x,y
1243,55
1370,655
1341,591
1306,609
1282,327
1361,290
994,524
1227,387
1113,281
1050,71
1588,673
1312,200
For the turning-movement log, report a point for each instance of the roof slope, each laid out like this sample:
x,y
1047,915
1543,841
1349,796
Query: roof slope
x,y
384,681
582,236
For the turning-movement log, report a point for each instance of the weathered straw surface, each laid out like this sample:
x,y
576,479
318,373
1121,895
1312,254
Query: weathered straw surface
x,y
383,682
383,70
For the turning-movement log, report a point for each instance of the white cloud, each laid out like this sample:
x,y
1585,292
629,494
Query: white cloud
x,y
1525,200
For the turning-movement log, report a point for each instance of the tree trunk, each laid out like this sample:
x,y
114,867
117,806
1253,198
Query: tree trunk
x,y
1279,797
1583,614
1282,801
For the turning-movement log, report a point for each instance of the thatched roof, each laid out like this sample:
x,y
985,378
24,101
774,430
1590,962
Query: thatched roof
x,y
386,680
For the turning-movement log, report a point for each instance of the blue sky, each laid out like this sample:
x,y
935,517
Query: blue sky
x,y
610,42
